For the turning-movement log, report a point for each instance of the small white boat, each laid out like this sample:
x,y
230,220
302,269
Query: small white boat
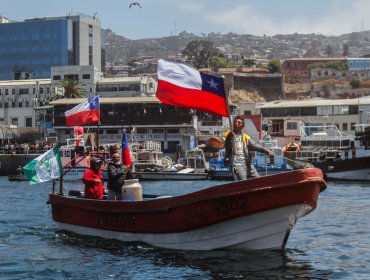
x,y
149,163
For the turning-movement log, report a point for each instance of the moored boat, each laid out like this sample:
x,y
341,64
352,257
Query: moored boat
x,y
340,155
149,163
17,177
253,214
263,164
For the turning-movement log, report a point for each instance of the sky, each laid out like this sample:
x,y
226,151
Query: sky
x,y
161,18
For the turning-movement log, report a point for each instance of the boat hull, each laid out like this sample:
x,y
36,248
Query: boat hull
x,y
19,177
266,230
355,169
252,214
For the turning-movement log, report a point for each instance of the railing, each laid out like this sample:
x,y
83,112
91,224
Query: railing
x,y
23,151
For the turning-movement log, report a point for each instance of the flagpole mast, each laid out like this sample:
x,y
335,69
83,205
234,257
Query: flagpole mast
x,y
97,137
227,103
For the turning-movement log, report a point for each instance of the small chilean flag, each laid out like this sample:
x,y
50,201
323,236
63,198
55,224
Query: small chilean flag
x,y
87,112
182,86
126,158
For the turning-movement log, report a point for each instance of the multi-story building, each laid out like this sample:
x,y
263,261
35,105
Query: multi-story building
x,y
87,75
269,84
20,102
297,70
30,48
359,67
344,113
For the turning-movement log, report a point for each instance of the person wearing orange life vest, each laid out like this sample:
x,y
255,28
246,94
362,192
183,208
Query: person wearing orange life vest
x,y
237,151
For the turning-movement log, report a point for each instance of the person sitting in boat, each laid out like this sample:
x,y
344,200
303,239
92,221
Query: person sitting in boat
x,y
19,170
291,147
93,180
117,173
238,146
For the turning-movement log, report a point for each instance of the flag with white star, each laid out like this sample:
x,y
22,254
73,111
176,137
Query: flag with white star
x,y
182,86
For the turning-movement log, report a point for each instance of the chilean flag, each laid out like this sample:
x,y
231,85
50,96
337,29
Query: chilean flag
x,y
126,158
85,113
182,86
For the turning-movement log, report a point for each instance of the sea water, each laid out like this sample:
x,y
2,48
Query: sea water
x,y
333,242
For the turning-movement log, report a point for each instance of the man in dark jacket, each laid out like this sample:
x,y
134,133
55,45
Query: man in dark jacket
x,y
117,173
237,151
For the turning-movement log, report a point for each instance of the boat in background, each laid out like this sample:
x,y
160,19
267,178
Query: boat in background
x,y
17,177
263,164
195,160
341,156
253,214
149,163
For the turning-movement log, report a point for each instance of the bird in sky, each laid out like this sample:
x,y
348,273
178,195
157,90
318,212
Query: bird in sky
x,y
135,3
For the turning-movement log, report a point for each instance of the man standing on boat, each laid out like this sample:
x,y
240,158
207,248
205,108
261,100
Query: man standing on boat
x,y
237,151
117,173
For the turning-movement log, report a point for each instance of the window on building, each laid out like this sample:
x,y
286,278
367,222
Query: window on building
x,y
247,112
157,130
41,90
23,91
90,55
142,130
112,131
6,91
28,122
344,126
341,110
324,110
86,76
173,146
20,104
353,126
173,130
13,91
292,125
15,121
72,77
56,77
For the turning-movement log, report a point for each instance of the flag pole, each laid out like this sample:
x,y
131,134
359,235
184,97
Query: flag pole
x,y
97,138
227,103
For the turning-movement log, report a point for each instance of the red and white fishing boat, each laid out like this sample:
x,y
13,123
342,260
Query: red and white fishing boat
x,y
253,214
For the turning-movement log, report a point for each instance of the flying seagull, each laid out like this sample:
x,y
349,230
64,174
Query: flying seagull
x,y
135,3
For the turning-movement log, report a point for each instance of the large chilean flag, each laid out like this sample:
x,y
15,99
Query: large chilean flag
x,y
87,112
182,86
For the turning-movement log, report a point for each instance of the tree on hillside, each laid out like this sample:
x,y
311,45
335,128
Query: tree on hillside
x,y
199,51
274,66
216,62
329,50
345,49
250,62
355,83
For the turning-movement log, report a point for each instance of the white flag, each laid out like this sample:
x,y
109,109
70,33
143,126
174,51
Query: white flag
x,y
44,168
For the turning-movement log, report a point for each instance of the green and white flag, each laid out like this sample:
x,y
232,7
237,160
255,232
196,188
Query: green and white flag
x,y
44,168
